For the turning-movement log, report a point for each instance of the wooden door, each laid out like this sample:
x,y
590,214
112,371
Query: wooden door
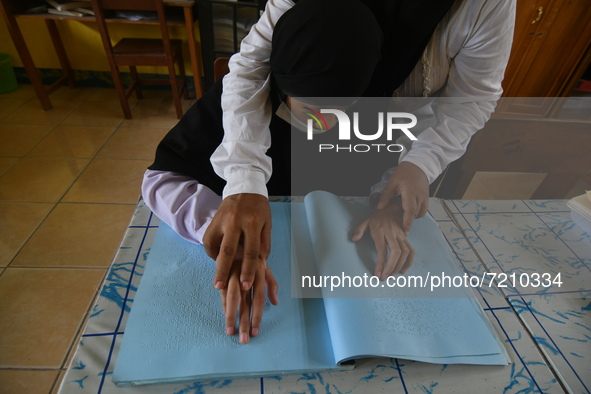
x,y
550,51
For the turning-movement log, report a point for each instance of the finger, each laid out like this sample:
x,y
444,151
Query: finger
x,y
381,255
232,302
423,208
409,259
404,251
244,325
360,230
212,240
389,192
225,258
397,252
265,248
272,286
409,208
250,259
258,302
224,295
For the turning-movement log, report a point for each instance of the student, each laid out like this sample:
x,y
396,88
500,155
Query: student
x,y
460,52
181,186
432,48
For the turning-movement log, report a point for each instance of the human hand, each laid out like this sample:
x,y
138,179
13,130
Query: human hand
x,y
385,227
242,220
412,184
247,305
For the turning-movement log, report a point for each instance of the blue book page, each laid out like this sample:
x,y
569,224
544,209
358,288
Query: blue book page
x,y
440,325
176,328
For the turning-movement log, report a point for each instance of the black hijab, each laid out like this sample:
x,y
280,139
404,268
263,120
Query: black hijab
x,y
325,48
351,48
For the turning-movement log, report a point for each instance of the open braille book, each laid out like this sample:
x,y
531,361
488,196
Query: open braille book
x,y
176,327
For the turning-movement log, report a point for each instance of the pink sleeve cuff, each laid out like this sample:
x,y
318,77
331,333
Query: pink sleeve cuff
x,y
181,202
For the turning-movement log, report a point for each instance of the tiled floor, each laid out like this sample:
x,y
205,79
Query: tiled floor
x,y
69,182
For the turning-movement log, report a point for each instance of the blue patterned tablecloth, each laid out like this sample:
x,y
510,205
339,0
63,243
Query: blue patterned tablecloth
x,y
546,330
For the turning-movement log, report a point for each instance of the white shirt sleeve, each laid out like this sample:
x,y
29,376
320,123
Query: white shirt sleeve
x,y
241,158
181,202
471,91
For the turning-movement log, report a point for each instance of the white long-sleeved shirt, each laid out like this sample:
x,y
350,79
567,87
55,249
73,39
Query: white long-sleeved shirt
x,y
463,66
465,58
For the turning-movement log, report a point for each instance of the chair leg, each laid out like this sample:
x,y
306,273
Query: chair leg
x,y
135,79
175,89
184,85
120,91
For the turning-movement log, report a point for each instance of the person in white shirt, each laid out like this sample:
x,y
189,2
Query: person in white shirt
x,y
458,50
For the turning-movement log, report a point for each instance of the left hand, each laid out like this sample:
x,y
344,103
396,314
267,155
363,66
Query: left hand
x,y
385,227
412,184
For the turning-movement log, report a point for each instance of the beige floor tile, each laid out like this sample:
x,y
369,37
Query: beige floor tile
x,y
109,181
40,179
41,312
17,223
77,235
156,109
23,92
6,164
477,190
58,382
16,140
8,106
133,143
101,114
18,381
503,185
102,108
32,112
72,141
511,186
101,95
78,94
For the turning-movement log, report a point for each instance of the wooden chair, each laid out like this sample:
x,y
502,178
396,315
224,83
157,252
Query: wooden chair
x,y
220,68
134,52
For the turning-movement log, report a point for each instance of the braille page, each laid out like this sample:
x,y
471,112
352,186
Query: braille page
x,y
413,323
176,328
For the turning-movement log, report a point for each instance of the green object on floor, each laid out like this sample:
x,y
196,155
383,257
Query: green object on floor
x,y
7,78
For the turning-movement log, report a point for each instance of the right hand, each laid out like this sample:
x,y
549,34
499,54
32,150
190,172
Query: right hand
x,y
242,220
412,184
247,306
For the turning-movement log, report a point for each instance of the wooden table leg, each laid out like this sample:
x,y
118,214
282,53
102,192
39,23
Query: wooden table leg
x,y
188,11
61,53
25,55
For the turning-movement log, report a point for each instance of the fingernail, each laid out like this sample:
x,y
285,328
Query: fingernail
x,y
219,285
230,330
245,285
243,338
255,332
379,275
